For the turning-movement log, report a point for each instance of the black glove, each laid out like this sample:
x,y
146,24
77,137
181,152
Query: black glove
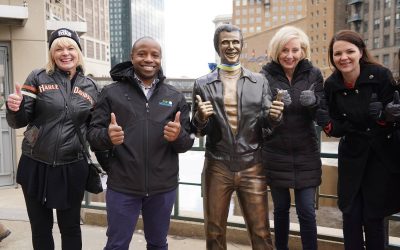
x,y
375,110
322,117
392,109
307,97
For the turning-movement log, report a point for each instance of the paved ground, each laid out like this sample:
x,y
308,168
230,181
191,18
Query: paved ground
x,y
13,215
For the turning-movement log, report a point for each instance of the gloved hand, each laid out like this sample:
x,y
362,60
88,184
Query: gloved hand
x,y
375,108
204,109
392,109
284,96
307,97
322,117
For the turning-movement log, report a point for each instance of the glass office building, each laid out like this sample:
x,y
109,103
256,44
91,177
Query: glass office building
x,y
130,20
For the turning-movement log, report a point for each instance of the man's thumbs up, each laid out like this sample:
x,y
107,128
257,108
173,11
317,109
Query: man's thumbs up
x,y
113,119
173,129
14,100
178,117
204,109
115,132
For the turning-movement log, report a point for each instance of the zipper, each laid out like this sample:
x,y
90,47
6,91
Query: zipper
x,y
146,172
60,126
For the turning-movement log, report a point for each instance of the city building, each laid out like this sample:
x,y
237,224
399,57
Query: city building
x,y
254,16
378,22
90,18
132,19
23,47
320,19
324,19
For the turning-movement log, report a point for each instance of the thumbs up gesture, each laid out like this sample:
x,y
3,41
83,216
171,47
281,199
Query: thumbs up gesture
x,y
173,128
115,132
392,109
307,97
14,100
204,109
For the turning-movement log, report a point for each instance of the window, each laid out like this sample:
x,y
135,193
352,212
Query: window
x,y
385,60
387,3
376,43
386,41
377,5
397,39
377,22
365,26
386,21
366,8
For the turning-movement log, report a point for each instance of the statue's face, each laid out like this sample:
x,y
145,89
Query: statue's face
x,y
230,47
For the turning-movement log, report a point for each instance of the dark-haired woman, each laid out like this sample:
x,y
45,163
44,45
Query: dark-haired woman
x,y
356,94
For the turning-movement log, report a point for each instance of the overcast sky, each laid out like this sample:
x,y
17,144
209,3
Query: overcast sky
x,y
189,31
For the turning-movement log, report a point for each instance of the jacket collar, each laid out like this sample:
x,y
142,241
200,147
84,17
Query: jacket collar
x,y
275,68
366,76
214,76
124,71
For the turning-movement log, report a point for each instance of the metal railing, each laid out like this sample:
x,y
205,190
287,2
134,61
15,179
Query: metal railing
x,y
177,215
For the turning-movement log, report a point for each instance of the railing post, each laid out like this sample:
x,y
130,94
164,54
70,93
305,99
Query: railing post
x,y
176,205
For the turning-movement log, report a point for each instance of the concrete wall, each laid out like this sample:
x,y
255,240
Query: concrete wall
x,y
28,47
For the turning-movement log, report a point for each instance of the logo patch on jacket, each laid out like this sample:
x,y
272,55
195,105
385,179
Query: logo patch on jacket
x,y
82,93
166,103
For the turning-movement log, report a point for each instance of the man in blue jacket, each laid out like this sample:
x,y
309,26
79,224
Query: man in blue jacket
x,y
144,123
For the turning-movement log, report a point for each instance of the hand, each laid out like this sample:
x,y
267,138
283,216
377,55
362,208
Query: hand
x,y
14,100
284,96
322,117
307,97
276,109
392,109
375,108
172,129
115,132
204,109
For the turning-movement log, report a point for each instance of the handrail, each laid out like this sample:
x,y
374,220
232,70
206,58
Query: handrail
x,y
176,212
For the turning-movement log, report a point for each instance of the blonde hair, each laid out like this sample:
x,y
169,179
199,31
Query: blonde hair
x,y
283,36
63,41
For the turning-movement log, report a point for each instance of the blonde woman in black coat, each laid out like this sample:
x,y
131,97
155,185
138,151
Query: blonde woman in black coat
x,y
290,152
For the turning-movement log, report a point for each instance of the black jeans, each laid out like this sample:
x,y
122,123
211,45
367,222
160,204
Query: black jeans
x,y
356,224
41,220
305,202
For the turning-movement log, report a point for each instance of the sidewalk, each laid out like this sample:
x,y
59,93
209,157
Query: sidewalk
x,y
13,215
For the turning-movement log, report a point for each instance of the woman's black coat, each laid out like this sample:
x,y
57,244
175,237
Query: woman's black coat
x,y
291,153
369,159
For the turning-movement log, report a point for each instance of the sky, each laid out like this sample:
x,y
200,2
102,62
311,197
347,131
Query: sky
x,y
189,34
